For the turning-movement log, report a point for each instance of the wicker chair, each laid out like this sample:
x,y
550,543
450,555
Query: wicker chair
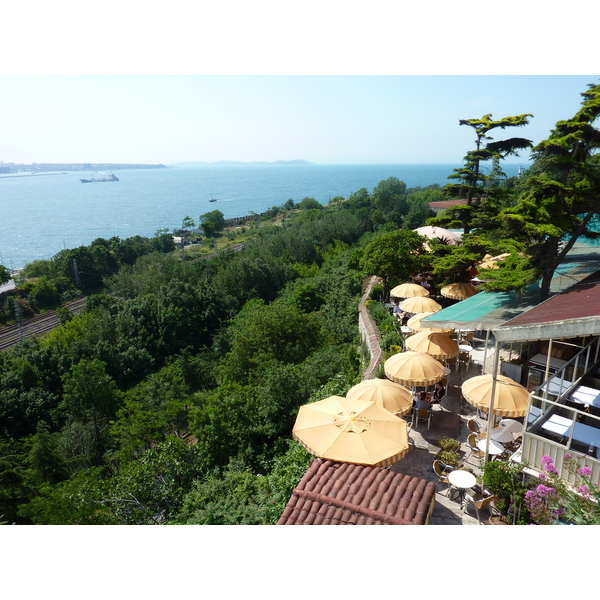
x,y
475,428
479,502
441,471
472,441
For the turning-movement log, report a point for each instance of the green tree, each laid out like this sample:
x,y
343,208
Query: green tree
x,y
187,223
212,223
473,184
394,257
389,195
559,204
310,203
262,332
4,274
46,462
91,398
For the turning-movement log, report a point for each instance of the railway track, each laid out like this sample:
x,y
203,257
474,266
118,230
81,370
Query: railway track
x,y
9,336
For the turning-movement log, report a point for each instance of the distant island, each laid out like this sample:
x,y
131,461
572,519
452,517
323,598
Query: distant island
x,y
41,167
235,163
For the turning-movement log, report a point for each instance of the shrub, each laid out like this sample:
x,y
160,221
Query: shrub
x,y
393,338
450,444
450,451
448,458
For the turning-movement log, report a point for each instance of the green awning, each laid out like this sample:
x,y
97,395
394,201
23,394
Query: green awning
x,y
485,310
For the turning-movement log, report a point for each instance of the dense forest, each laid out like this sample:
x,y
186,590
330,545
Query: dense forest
x,y
171,397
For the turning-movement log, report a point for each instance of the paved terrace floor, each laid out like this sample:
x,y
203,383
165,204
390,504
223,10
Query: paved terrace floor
x,y
448,420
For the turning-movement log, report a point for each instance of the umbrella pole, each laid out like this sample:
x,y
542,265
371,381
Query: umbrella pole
x,y
487,339
490,413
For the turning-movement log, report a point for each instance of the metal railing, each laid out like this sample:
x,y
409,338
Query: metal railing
x,y
556,425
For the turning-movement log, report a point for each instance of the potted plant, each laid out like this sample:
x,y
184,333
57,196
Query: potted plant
x,y
504,480
450,451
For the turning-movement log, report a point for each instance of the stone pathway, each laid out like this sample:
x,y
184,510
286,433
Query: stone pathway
x,y
448,420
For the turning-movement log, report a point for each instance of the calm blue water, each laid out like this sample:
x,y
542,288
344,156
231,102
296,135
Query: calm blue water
x,y
43,214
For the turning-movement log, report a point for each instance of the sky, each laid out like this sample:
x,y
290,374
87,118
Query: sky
x,y
326,81
326,119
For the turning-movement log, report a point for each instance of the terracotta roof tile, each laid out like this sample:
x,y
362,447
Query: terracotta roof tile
x,y
581,300
332,493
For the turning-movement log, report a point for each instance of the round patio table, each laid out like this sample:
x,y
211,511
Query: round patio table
x,y
465,348
502,435
495,447
463,480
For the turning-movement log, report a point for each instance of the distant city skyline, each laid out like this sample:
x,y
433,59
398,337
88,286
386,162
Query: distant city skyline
x,y
339,119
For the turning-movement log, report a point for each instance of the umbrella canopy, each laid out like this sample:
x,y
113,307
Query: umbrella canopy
x,y
490,262
437,345
454,239
353,431
459,291
414,324
510,397
409,290
420,304
413,369
392,396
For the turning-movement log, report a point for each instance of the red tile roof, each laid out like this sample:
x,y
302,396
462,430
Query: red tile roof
x,y
577,302
441,204
333,493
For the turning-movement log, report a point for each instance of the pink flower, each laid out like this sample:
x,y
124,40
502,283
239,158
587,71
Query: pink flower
x,y
584,489
544,491
584,472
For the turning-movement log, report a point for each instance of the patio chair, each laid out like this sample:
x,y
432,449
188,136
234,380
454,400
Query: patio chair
x,y
504,456
464,358
421,414
472,441
479,502
441,471
475,428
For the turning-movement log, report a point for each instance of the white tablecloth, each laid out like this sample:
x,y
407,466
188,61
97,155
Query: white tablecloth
x,y
494,448
462,479
582,433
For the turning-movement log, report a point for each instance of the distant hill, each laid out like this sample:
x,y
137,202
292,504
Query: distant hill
x,y
40,167
235,163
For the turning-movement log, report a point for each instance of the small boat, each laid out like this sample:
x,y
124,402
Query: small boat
x,y
211,196
94,179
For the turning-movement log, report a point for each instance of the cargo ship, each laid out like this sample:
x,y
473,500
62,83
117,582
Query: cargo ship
x,y
98,179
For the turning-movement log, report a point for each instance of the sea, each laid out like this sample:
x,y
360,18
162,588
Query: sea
x,y
48,212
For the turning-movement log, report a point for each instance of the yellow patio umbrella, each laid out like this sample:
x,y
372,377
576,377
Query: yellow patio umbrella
x,y
409,290
414,324
420,304
413,369
437,345
510,397
490,262
352,431
392,396
459,291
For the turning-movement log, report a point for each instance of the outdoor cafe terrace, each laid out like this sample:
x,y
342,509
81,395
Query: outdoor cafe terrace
x,y
555,398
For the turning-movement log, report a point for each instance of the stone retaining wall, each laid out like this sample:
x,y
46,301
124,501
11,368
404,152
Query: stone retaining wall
x,y
370,332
